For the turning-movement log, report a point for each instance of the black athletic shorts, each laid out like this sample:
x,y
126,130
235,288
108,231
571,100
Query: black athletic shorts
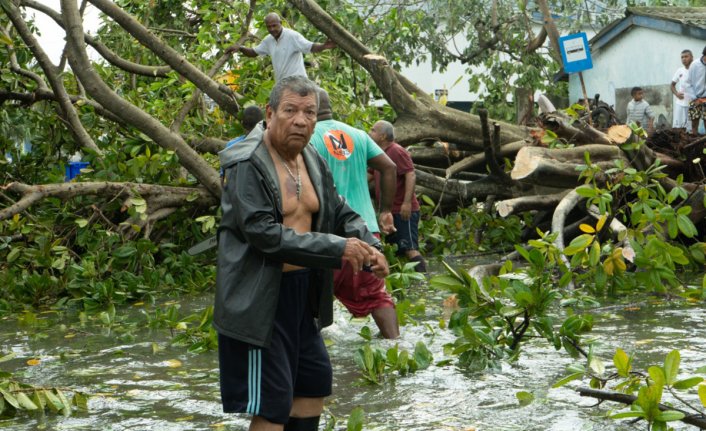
x,y
407,233
263,381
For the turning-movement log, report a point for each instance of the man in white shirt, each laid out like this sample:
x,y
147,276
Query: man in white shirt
x,y
680,111
695,89
285,47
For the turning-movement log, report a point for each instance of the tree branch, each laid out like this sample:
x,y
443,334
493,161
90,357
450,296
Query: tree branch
x,y
129,113
67,109
221,94
691,419
104,51
218,65
31,194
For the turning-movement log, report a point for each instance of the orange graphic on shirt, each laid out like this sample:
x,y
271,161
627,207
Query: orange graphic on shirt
x,y
339,144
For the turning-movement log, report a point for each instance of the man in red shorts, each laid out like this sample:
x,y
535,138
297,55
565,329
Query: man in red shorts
x,y
349,152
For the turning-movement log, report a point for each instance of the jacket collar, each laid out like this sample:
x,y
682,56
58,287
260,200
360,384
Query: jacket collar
x,y
252,147
243,149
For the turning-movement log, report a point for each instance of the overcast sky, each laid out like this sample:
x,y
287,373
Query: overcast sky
x,y
52,38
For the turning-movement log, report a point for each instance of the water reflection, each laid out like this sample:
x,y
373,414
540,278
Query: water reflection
x,y
134,386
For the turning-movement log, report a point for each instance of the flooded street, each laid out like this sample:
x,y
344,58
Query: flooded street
x,y
137,381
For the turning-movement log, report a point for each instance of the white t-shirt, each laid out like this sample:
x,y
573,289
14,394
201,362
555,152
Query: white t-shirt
x,y
678,79
695,84
286,53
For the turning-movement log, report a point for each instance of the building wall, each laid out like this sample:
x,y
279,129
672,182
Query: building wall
x,y
637,57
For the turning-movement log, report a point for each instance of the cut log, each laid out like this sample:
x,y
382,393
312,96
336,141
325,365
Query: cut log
x,y
527,203
558,167
619,134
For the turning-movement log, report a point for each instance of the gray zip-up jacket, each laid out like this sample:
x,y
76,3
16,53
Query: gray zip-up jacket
x,y
253,243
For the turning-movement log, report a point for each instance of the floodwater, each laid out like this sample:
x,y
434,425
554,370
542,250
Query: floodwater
x,y
137,381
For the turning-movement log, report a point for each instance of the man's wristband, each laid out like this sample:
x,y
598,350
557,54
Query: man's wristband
x,y
378,246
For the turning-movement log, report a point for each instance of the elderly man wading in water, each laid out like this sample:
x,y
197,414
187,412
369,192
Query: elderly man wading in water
x,y
284,229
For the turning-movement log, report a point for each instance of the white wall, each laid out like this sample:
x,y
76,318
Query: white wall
x,y
638,57
429,81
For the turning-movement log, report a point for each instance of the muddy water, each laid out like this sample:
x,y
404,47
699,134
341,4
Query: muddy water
x,y
138,382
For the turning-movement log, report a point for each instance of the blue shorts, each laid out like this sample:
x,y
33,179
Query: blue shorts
x,y
263,381
407,234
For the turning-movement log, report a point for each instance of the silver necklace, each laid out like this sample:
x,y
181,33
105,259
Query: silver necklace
x,y
298,179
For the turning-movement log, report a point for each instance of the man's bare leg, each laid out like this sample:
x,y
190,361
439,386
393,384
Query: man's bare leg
x,y
258,423
304,407
415,256
386,319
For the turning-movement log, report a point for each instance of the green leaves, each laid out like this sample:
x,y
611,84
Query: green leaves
x,y
524,398
569,378
578,244
687,383
376,364
622,362
671,367
356,420
20,397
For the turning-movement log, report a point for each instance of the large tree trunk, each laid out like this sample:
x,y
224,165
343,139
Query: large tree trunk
x,y
419,117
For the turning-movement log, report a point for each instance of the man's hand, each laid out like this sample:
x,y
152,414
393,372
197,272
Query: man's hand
x,y
386,222
379,265
406,210
329,44
359,253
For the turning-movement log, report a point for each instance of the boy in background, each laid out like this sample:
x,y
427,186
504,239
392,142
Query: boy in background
x,y
639,111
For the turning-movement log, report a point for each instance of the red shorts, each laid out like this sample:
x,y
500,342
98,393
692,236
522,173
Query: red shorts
x,y
361,293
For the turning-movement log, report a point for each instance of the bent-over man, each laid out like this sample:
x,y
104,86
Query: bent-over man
x,y
284,228
405,208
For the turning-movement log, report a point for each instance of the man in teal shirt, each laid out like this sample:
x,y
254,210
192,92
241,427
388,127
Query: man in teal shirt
x,y
349,152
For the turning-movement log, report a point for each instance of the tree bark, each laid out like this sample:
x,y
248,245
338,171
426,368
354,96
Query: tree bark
x,y
165,195
475,161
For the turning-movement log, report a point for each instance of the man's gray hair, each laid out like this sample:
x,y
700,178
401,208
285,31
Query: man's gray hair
x,y
387,129
298,84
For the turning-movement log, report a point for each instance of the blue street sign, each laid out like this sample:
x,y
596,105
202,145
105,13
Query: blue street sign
x,y
575,52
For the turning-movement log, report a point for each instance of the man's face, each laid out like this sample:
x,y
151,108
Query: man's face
x,y
686,59
274,27
290,127
375,134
